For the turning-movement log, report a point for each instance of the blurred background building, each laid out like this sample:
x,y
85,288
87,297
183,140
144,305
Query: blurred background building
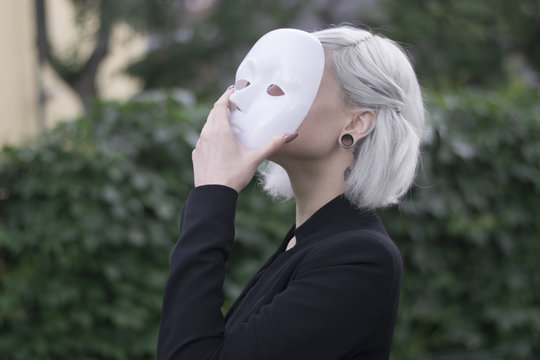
x,y
34,97
24,81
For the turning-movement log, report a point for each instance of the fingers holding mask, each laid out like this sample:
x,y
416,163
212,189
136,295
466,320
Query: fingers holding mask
x,y
217,150
219,111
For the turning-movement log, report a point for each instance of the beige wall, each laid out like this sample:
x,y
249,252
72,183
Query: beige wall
x,y
19,74
17,93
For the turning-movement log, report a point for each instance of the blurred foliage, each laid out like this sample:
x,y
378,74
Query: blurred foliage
x,y
469,232
454,43
468,43
140,15
96,19
87,219
89,214
209,51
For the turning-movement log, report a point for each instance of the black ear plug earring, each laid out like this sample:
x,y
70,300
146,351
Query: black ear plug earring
x,y
346,140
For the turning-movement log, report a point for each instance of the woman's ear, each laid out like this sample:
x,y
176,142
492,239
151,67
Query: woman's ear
x,y
361,124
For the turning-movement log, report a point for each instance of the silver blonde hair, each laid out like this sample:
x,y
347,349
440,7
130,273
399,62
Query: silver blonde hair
x,y
373,73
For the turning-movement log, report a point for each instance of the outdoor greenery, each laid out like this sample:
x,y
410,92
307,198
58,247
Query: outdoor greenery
x,y
209,56
469,232
87,219
468,43
89,211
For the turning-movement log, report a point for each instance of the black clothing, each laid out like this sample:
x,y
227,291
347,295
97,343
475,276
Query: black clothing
x,y
334,295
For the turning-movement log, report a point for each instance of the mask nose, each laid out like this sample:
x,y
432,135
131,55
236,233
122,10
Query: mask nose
x,y
243,99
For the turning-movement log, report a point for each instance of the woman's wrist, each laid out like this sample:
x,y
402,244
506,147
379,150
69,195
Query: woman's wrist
x,y
216,186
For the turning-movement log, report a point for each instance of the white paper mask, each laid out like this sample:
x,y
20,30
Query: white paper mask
x,y
276,85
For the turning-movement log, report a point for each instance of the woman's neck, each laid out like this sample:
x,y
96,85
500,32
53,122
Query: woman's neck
x,y
314,185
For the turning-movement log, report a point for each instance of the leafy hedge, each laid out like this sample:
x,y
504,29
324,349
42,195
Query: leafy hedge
x,y
89,214
470,232
86,220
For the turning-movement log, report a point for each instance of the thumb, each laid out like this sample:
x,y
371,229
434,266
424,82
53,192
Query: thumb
x,y
273,145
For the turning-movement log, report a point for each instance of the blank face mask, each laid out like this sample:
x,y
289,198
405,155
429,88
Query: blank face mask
x,y
275,86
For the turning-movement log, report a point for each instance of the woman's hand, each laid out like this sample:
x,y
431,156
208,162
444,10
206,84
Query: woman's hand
x,y
219,159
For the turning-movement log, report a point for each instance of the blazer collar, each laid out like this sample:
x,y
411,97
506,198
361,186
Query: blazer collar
x,y
336,215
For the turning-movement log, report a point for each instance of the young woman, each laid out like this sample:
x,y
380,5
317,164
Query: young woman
x,y
331,289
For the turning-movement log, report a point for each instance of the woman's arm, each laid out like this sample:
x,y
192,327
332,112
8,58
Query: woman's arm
x,y
192,324
191,320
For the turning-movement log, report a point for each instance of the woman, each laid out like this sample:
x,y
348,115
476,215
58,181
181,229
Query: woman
x,y
331,289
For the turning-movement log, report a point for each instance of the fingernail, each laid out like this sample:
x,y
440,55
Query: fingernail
x,y
230,87
290,137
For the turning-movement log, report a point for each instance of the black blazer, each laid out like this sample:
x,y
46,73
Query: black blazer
x,y
334,295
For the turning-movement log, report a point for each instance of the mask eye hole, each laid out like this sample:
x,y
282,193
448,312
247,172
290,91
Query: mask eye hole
x,y
274,90
240,84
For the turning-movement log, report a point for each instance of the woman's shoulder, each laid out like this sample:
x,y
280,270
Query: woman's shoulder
x,y
371,248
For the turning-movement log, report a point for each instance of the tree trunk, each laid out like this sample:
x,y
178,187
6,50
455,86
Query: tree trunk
x,y
85,83
82,80
41,43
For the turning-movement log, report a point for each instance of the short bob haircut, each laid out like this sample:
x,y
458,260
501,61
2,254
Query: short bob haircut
x,y
373,73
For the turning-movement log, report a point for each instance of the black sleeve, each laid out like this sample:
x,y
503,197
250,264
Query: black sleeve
x,y
316,317
192,324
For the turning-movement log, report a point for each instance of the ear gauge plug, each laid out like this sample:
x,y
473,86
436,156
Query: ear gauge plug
x,y
346,141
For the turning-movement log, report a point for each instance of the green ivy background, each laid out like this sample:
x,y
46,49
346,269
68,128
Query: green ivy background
x,y
89,213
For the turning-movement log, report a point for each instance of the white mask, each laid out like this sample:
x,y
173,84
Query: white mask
x,y
275,86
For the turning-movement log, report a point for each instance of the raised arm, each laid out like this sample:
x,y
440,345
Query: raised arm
x,y
192,324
